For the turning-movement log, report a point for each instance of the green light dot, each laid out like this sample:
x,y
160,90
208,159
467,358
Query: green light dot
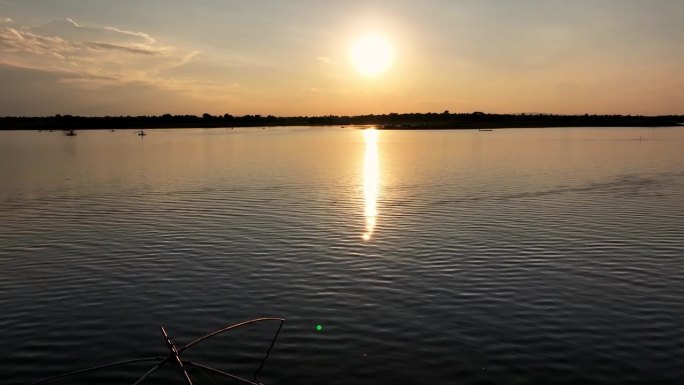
x,y
319,327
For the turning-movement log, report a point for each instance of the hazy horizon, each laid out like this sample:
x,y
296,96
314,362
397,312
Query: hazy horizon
x,y
290,59
389,114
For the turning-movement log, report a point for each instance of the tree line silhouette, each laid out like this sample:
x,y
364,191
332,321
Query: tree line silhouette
x,y
430,120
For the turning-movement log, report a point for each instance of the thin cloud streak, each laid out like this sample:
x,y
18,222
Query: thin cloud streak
x,y
123,48
148,39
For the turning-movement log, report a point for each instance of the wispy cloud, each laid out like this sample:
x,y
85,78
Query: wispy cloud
x,y
75,24
54,39
122,48
87,64
16,41
185,60
146,37
96,58
5,20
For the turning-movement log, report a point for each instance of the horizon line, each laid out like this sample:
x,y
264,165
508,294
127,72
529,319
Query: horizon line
x,y
445,112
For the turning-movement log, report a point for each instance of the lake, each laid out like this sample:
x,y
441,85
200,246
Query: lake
x,y
517,256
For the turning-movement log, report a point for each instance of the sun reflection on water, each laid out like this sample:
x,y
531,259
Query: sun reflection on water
x,y
371,181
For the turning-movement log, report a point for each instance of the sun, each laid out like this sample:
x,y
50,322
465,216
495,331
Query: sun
x,y
371,54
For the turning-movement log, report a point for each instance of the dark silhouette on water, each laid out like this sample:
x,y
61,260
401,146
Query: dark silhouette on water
x,y
71,133
396,121
175,359
141,133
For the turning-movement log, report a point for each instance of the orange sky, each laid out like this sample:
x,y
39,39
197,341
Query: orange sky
x,y
292,58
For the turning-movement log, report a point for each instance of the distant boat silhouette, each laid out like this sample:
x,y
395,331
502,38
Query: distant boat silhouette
x,y
141,133
485,129
71,133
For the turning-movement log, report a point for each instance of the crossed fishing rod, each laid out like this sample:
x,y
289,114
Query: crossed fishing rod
x,y
175,359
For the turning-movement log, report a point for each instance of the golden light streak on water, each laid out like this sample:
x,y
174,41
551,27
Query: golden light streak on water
x,y
371,181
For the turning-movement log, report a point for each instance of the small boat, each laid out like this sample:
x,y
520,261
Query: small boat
x,y
485,129
71,133
141,133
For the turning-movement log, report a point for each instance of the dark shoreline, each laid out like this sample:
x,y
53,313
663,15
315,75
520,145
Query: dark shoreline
x,y
411,121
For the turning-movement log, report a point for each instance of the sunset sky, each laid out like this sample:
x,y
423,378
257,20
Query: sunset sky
x,y
96,57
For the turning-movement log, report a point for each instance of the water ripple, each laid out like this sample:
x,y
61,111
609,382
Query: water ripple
x,y
484,266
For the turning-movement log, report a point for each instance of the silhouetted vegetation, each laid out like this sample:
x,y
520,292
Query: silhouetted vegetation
x,y
443,120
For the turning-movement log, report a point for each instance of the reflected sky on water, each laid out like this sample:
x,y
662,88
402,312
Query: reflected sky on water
x,y
541,255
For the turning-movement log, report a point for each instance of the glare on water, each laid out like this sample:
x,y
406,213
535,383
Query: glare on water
x,y
371,181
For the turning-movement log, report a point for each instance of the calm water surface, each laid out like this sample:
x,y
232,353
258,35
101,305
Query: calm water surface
x,y
519,256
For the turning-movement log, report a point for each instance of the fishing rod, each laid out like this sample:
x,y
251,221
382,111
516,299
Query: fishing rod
x,y
176,360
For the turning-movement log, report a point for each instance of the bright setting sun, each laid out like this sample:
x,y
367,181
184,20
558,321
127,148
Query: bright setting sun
x,y
371,54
